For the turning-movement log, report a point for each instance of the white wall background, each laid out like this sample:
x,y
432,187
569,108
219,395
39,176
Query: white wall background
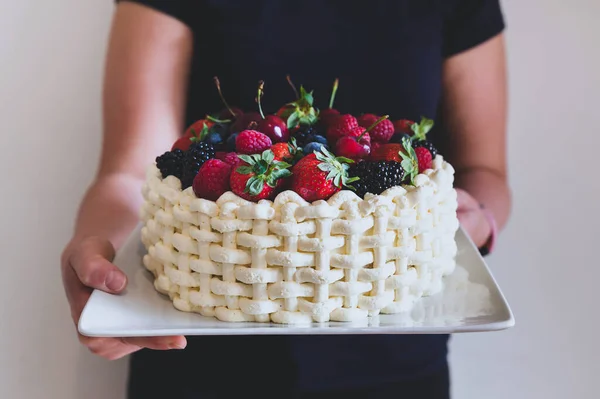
x,y
51,58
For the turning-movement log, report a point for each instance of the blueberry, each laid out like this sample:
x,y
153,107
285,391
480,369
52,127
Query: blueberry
x,y
220,128
314,146
318,139
230,145
397,138
215,139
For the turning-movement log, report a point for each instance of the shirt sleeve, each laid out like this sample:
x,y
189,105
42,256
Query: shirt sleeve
x,y
470,23
181,10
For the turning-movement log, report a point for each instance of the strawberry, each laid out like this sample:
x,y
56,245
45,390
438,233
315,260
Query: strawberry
x,y
424,158
380,132
411,162
288,152
252,142
301,111
387,152
319,175
196,132
342,127
403,126
212,179
259,176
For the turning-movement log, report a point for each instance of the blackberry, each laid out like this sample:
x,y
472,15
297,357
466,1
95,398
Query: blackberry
x,y
170,163
376,177
193,159
426,144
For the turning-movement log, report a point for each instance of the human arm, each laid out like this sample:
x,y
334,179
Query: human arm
x,y
143,104
474,113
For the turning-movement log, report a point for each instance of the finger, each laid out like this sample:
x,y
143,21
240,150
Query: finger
x,y
157,343
90,261
77,293
465,201
108,348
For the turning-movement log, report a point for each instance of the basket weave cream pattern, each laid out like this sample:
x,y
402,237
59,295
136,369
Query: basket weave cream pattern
x,y
290,261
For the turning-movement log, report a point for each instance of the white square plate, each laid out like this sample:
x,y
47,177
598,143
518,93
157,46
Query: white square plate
x,y
471,302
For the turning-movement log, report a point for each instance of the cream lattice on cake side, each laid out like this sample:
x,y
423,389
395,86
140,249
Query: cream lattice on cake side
x,y
290,261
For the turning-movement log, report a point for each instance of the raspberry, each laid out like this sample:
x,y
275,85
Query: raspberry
x,y
343,124
232,159
212,179
424,158
252,142
425,144
382,132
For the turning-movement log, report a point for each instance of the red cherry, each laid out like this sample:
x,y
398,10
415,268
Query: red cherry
x,y
227,113
328,116
243,122
354,146
274,127
403,126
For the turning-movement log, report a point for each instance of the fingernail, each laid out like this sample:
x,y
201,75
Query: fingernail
x,y
115,281
175,345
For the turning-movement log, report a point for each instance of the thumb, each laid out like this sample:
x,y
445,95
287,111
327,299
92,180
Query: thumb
x,y
91,261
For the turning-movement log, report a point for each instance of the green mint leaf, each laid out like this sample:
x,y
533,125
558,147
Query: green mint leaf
x,y
256,158
254,186
245,170
407,165
426,125
268,156
246,158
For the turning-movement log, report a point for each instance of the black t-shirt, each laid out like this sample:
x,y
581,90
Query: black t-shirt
x,y
388,56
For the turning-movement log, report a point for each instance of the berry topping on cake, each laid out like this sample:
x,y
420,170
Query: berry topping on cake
x,y
382,132
319,175
259,176
212,179
193,159
410,162
357,144
387,152
328,116
288,152
342,126
170,163
252,142
376,176
419,138
301,111
271,125
424,158
403,126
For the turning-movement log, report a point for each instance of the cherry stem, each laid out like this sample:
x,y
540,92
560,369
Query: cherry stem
x,y
289,80
335,87
218,84
213,119
261,85
372,126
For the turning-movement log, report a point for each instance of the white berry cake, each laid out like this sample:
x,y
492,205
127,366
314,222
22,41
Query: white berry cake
x,y
301,216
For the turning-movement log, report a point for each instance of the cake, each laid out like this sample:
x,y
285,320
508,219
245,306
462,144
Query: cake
x,y
326,217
